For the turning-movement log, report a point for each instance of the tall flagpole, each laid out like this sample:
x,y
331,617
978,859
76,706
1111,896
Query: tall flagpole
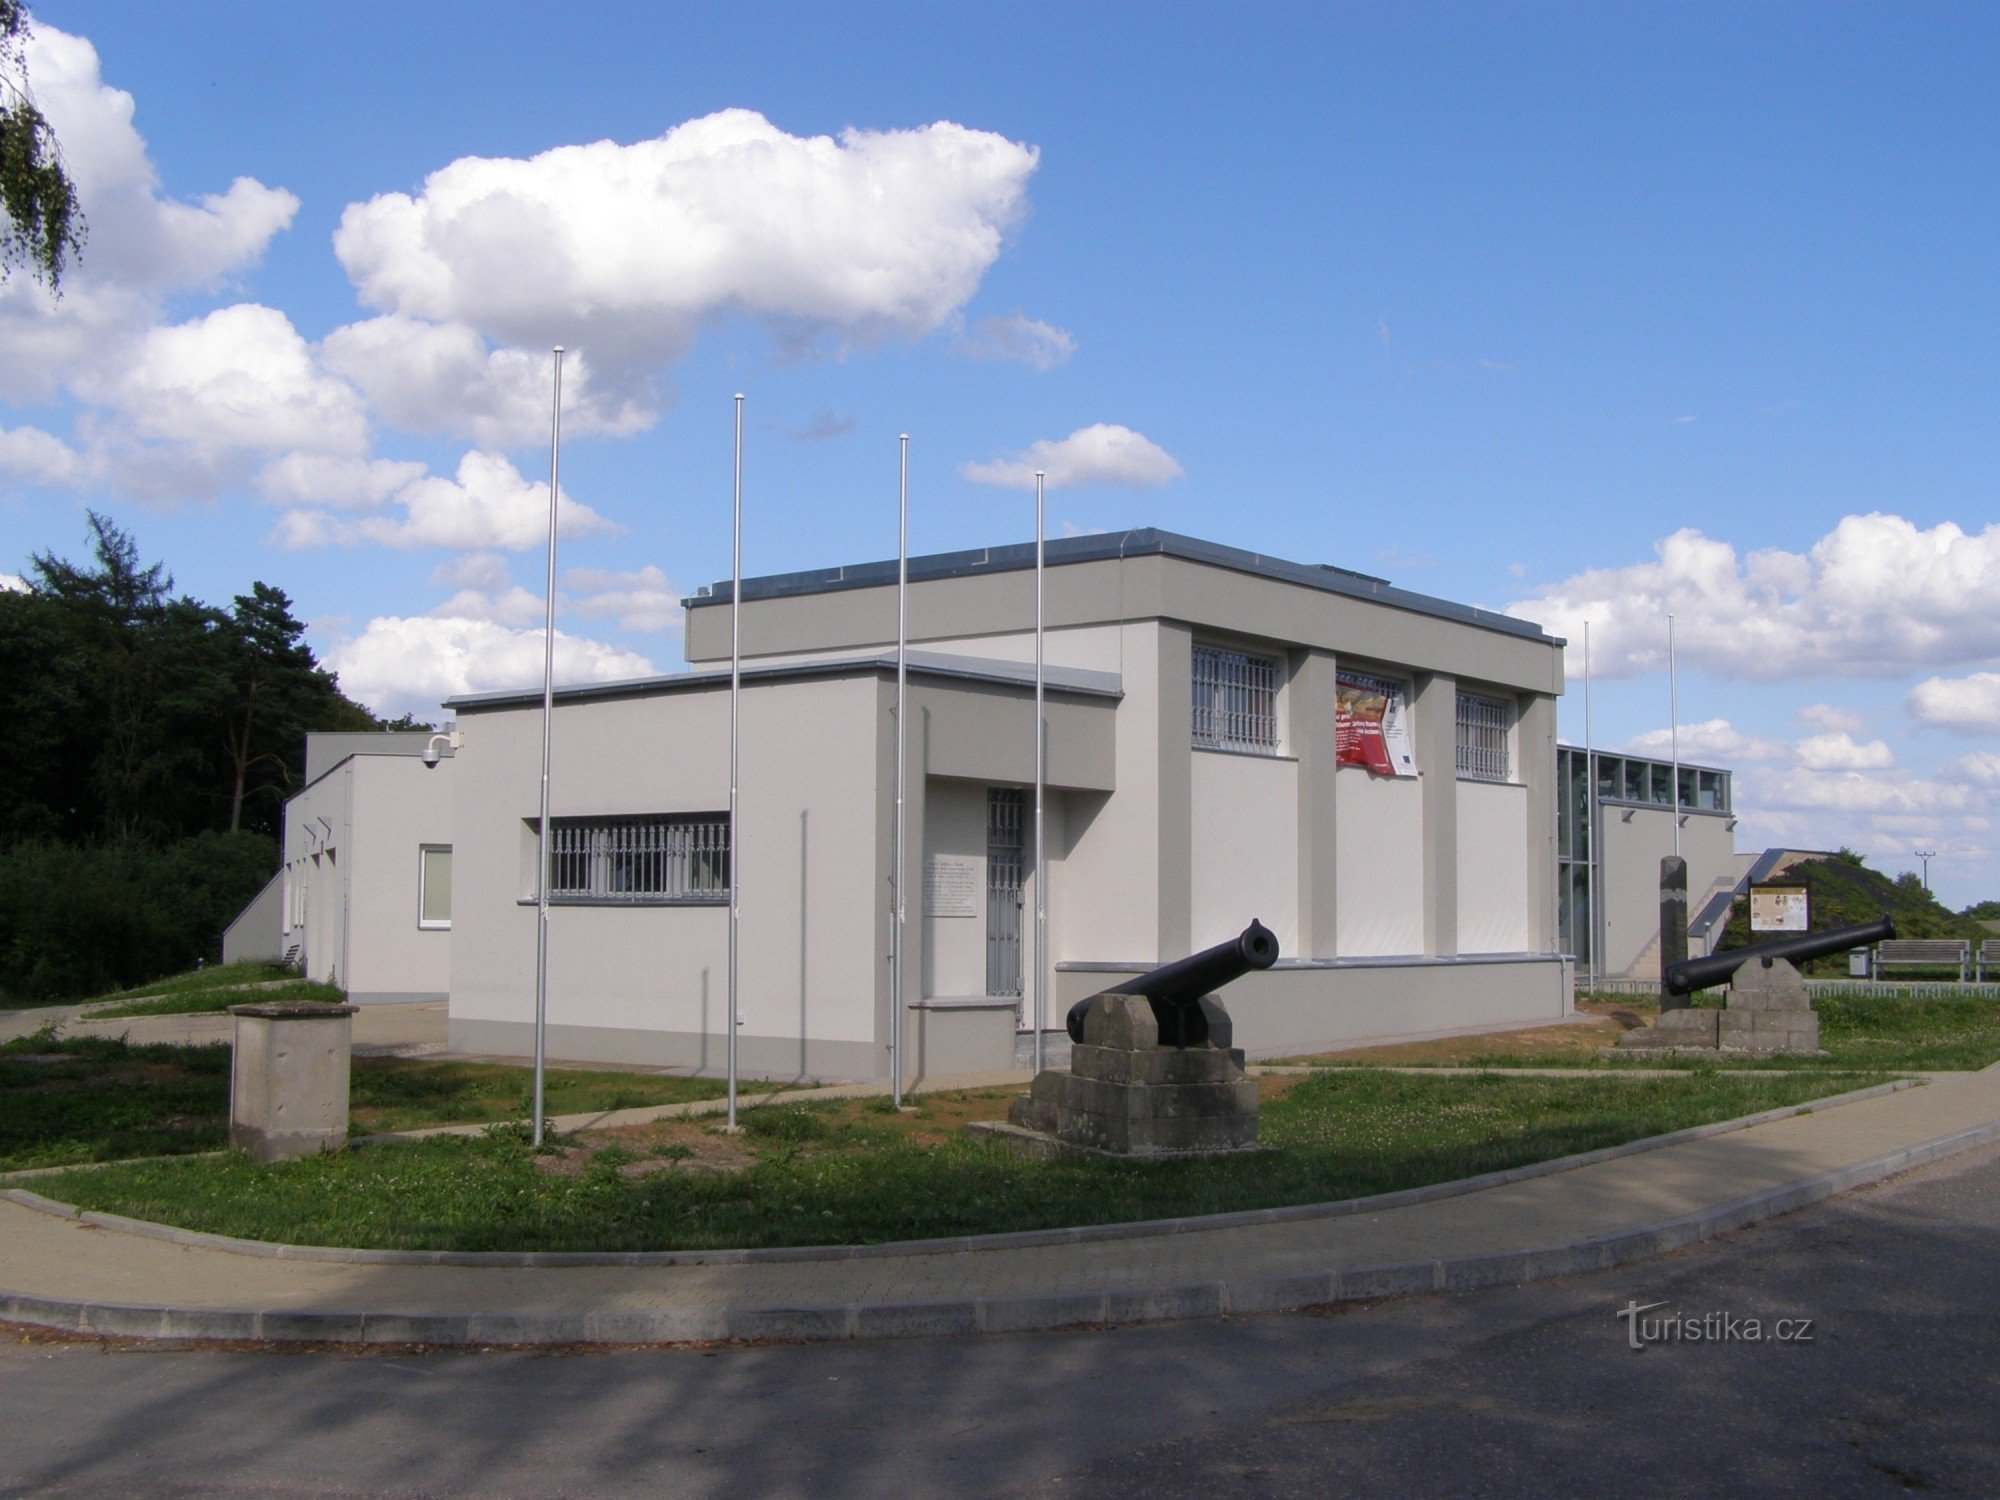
x,y
1674,728
1041,779
735,740
548,716
902,739
1589,814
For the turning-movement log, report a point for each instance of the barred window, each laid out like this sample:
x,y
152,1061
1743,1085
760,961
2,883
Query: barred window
x,y
1235,700
1482,738
684,857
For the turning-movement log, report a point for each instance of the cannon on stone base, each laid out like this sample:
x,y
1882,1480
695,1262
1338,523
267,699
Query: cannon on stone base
x,y
1153,1071
1768,1010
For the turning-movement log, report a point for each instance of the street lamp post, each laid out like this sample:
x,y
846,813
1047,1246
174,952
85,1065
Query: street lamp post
x,y
1927,855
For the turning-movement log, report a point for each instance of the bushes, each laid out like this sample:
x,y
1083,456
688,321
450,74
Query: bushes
x,y
83,921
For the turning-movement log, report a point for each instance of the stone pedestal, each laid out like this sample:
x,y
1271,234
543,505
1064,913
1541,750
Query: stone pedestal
x,y
288,1079
1126,1095
1768,1012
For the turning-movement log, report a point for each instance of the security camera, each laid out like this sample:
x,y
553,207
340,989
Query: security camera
x,y
432,755
433,747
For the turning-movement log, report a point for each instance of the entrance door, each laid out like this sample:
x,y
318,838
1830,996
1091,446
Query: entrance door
x,y
1003,891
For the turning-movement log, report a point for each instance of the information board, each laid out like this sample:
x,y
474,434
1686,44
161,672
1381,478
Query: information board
x,y
1779,908
951,885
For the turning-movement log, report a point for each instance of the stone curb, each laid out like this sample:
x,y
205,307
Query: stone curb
x,y
1247,1295
951,1245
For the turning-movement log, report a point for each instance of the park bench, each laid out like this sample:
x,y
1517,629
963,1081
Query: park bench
x,y
1989,953
1922,953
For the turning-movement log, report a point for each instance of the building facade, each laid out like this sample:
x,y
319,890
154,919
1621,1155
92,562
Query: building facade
x,y
1370,772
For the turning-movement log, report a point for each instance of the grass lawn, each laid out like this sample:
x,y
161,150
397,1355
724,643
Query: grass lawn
x,y
214,989
90,1099
852,1172
1857,1033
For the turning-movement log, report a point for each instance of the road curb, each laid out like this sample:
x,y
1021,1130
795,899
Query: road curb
x,y
1113,1306
950,1245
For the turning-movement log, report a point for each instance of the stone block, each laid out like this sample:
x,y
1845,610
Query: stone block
x,y
1775,985
289,1079
1122,1021
1163,1065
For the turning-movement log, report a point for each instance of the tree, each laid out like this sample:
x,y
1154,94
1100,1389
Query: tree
x,y
44,223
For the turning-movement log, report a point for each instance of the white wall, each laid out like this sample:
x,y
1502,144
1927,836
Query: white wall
x,y
399,805
1245,831
1379,863
1492,861
1630,878
955,947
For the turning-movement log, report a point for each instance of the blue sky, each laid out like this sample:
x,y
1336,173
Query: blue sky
x,y
1490,300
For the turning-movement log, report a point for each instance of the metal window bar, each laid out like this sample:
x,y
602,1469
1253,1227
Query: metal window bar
x,y
1235,700
640,859
1482,738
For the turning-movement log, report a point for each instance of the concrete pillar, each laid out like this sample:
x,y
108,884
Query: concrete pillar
x,y
1313,708
1436,711
288,1079
1673,925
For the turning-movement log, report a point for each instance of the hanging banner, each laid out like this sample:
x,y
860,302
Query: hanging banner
x,y
1371,725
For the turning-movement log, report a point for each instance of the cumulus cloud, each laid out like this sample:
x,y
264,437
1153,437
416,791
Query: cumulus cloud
x,y
1970,705
335,481
1715,740
1839,752
398,665
1876,595
645,600
28,453
489,504
1018,337
13,583
1104,453
143,245
1829,716
443,377
626,250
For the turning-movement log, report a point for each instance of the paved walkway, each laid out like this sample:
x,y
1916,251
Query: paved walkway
x,y
1626,1204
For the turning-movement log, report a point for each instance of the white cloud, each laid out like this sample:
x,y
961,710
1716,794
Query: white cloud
x,y
1104,453
1829,716
399,665
142,245
625,250
1876,595
1714,740
1968,704
36,457
335,481
1981,768
13,583
442,377
512,605
1839,752
488,505
645,600
239,377
1018,337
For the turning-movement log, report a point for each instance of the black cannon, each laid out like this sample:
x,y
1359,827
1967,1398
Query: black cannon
x,y
1692,974
1175,989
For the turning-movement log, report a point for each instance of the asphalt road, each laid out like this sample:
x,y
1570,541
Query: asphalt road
x,y
1533,1391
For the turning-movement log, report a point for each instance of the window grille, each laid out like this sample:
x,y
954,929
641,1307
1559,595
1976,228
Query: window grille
x,y
1482,738
682,858
1235,700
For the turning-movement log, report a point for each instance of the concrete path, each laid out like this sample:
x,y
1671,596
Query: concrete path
x,y
1606,1209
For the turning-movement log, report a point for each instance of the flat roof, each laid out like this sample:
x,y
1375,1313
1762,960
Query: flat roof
x,y
1106,546
921,663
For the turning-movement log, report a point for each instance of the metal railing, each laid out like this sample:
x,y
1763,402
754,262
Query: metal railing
x,y
1235,700
681,858
1482,738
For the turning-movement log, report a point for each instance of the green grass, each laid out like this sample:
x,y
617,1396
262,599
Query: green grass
x,y
215,976
95,1099
188,1002
828,1173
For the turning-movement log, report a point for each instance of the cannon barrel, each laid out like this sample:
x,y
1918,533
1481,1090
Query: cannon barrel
x,y
1692,974
1175,988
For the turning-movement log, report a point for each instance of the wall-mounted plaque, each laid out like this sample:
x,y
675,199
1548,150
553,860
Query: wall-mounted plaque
x,y
951,885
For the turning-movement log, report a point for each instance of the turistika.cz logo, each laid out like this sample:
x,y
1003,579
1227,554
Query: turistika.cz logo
x,y
1708,1328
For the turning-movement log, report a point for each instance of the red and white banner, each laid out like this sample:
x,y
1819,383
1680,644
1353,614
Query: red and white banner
x,y
1371,725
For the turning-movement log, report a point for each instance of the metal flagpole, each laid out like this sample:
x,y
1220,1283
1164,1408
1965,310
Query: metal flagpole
x,y
735,695
902,674
1589,814
1041,780
1674,728
548,715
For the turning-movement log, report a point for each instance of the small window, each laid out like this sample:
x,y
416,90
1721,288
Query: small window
x,y
434,885
640,860
1235,701
1482,738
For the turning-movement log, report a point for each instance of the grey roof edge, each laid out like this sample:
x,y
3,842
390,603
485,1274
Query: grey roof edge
x,y
1075,680
1104,546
